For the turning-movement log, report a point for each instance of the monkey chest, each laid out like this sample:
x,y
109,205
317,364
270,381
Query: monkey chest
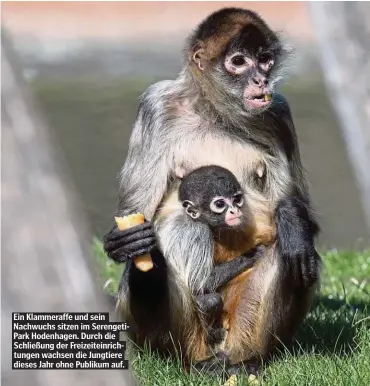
x,y
229,245
242,159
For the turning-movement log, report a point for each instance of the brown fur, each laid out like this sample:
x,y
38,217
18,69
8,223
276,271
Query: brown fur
x,y
214,45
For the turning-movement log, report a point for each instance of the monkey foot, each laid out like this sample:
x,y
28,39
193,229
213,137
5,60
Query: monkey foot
x,y
215,365
251,368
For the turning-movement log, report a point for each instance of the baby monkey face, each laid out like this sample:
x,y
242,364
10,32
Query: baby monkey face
x,y
213,195
227,210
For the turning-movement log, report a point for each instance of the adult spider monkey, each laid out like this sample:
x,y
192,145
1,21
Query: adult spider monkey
x,y
221,110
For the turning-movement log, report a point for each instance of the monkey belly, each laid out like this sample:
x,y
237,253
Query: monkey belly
x,y
240,341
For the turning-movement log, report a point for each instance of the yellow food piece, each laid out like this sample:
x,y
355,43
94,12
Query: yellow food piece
x,y
253,380
232,381
129,221
267,97
143,263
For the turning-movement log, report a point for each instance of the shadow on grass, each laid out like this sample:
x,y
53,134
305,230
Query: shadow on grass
x,y
331,327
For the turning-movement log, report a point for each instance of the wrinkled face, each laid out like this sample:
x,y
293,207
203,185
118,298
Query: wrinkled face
x,y
248,64
246,70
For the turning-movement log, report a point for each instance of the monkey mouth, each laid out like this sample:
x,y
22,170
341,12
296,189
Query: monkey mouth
x,y
234,222
258,100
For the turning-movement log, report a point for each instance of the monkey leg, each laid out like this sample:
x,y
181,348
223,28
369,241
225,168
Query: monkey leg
x,y
145,303
265,310
160,313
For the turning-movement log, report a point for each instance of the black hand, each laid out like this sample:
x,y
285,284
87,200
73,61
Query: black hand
x,y
224,272
296,229
136,241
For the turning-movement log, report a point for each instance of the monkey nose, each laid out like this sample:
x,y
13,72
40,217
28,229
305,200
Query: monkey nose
x,y
260,80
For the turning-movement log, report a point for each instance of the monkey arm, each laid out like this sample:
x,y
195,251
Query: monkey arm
x,y
294,217
143,179
223,273
296,229
146,172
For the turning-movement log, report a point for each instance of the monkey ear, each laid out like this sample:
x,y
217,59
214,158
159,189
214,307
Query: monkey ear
x,y
199,57
190,209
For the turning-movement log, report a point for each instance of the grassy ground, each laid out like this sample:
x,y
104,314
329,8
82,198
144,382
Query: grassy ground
x,y
332,348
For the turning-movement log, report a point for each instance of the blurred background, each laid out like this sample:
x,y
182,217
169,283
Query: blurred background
x,y
88,62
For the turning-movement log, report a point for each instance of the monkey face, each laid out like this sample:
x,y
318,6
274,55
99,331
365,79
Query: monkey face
x,y
226,211
222,211
241,56
213,195
248,64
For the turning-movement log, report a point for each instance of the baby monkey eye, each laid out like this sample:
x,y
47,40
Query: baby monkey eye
x,y
238,200
218,206
238,60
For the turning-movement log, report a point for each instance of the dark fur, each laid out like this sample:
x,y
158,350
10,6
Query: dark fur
x,y
276,296
204,184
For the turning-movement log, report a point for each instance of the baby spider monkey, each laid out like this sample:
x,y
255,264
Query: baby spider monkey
x,y
213,195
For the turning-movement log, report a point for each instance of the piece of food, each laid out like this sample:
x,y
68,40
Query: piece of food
x,y
253,380
232,381
267,97
143,263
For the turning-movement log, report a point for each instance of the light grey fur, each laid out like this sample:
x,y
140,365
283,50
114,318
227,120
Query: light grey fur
x,y
180,236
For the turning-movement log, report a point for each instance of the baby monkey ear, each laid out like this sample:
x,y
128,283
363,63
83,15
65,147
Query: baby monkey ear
x,y
190,209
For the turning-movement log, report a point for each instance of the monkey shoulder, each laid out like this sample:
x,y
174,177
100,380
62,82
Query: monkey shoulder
x,y
158,107
159,94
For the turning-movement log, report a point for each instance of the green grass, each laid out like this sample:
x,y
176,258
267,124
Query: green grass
x,y
332,347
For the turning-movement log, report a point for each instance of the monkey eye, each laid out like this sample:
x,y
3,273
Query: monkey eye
x,y
266,61
264,58
218,206
238,200
238,60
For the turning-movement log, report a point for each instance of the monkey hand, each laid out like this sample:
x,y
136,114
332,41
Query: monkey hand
x,y
295,242
132,242
250,257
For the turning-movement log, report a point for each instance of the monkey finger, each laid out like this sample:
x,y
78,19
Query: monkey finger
x,y
134,249
125,239
117,233
121,258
